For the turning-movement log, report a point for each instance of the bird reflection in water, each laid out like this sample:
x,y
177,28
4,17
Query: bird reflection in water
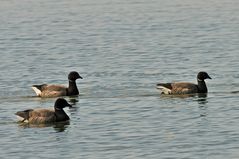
x,y
201,98
58,126
73,100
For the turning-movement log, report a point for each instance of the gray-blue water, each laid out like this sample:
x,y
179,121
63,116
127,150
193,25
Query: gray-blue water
x,y
121,48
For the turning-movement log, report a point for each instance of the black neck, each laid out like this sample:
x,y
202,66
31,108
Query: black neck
x,y
202,88
72,89
61,115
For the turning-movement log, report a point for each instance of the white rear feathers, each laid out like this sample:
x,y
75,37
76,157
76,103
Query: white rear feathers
x,y
37,91
164,90
21,119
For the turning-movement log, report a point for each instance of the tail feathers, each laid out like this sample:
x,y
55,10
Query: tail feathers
x,y
165,88
38,88
166,85
24,115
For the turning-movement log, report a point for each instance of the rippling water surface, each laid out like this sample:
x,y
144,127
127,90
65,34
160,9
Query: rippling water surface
x,y
121,49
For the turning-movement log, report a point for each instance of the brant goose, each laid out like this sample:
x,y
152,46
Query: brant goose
x,y
46,90
185,87
45,116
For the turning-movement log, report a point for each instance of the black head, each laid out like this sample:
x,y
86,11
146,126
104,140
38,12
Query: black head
x,y
61,103
202,76
73,76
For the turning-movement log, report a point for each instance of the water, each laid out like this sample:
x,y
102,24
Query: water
x,y
121,49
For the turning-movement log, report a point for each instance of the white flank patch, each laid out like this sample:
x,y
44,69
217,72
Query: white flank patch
x,y
38,92
164,90
21,119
